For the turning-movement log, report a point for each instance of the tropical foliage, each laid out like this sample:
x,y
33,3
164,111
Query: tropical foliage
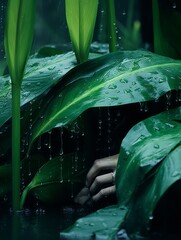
x,y
57,98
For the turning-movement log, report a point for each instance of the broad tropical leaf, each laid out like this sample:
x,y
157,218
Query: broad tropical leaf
x,y
102,224
144,202
40,75
18,36
81,17
114,79
144,147
56,181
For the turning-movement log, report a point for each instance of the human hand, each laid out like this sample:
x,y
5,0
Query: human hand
x,y
98,183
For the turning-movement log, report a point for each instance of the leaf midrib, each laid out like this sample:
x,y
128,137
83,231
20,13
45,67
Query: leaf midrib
x,y
108,82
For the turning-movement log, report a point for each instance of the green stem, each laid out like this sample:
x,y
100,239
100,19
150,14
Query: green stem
x,y
110,9
156,27
16,146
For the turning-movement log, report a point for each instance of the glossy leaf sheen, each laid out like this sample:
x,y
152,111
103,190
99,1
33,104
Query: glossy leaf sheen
x,y
114,79
40,75
153,173
53,181
144,147
81,17
102,224
145,201
18,36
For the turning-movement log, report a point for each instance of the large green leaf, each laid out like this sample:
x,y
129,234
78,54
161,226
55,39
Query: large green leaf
x,y
18,36
57,181
145,146
114,79
102,224
40,75
144,202
81,17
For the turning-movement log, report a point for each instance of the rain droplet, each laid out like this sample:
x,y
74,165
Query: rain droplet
x,y
112,86
123,81
91,224
161,80
156,146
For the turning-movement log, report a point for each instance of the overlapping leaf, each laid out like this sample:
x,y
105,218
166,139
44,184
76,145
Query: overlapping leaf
x,y
149,164
55,181
114,79
40,75
145,146
144,202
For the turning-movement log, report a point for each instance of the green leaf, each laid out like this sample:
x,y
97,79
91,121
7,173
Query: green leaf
x,y
143,148
81,17
144,202
56,181
114,79
102,224
40,75
18,36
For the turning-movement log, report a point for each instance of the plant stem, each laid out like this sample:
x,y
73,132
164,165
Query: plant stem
x,y
16,146
156,27
110,9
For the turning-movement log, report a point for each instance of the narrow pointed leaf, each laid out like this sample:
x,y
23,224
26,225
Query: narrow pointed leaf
x,y
18,36
81,17
112,80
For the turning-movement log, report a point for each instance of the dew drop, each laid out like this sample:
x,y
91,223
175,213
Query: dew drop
x,y
156,146
112,86
91,224
161,80
39,143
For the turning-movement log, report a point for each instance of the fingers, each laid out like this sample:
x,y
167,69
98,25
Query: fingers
x,y
105,192
83,196
99,184
108,163
100,181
